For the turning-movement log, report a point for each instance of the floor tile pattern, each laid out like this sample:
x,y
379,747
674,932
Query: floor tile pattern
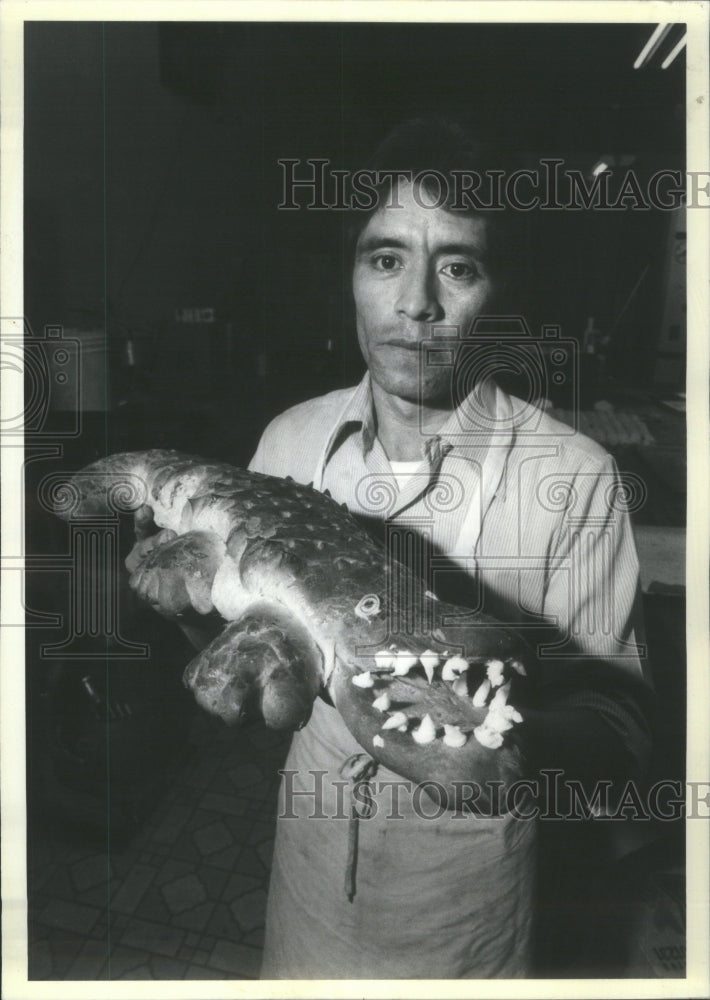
x,y
184,895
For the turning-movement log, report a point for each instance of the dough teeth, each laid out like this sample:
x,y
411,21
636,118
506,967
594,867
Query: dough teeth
x,y
430,661
403,662
383,659
377,741
453,737
382,703
500,698
494,672
481,694
509,712
395,720
454,666
363,680
460,687
497,721
487,737
425,731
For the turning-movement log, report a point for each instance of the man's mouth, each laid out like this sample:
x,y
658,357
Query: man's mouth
x,y
407,345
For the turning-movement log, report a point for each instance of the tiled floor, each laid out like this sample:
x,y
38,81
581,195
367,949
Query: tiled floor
x,y
183,896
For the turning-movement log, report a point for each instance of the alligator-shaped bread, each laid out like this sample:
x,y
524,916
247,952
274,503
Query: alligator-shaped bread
x,y
310,603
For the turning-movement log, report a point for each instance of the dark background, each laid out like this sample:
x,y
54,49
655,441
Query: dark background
x,y
152,186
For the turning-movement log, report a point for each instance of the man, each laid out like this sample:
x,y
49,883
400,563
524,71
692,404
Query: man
x,y
449,895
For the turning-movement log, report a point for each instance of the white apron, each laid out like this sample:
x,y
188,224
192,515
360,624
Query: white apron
x,y
441,898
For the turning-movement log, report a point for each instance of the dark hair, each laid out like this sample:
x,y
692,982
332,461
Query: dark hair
x,y
430,147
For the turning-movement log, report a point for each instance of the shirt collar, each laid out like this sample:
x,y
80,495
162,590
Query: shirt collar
x,y
358,415
482,419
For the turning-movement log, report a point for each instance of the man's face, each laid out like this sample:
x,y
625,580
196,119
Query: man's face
x,y
416,267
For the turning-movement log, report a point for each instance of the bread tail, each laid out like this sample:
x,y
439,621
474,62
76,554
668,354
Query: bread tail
x,y
161,479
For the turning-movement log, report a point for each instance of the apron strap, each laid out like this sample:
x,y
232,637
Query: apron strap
x,y
358,767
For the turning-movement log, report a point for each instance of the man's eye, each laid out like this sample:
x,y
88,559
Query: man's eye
x,y
386,262
460,270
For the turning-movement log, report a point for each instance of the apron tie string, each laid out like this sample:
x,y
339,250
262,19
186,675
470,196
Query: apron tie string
x,y
358,767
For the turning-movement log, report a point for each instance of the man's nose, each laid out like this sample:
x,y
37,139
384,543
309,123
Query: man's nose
x,y
418,299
